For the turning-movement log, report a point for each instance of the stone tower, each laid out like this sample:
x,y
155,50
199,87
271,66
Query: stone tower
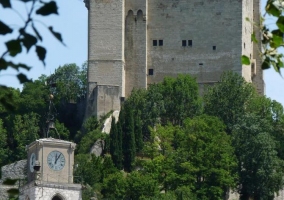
x,y
133,43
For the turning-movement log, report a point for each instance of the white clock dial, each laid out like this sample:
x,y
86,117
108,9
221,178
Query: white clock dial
x,y
32,162
56,160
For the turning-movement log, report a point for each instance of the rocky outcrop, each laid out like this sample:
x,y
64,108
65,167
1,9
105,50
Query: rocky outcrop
x,y
17,170
99,145
107,124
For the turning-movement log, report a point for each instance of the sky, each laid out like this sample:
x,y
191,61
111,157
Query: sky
x,y
72,23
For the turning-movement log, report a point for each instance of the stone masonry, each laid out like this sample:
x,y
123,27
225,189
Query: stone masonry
x,y
133,43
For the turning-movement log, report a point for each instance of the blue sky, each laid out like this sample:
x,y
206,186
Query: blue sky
x,y
72,23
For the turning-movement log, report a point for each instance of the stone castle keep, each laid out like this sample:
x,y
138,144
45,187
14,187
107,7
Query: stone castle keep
x,y
133,43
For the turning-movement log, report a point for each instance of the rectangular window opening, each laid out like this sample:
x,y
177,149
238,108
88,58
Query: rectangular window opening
x,y
151,72
214,48
184,43
190,43
155,43
161,42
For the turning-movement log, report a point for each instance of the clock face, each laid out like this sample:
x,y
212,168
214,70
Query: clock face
x,y
56,160
32,162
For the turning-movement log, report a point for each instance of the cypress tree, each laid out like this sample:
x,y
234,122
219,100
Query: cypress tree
x,y
113,140
138,133
129,149
119,147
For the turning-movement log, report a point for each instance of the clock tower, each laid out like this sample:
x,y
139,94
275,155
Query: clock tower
x,y
50,171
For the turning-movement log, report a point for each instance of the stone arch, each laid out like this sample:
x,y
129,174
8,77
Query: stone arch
x,y
140,15
129,19
57,196
130,13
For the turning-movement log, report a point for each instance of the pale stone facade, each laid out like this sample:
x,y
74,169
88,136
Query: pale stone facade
x,y
133,43
54,177
46,191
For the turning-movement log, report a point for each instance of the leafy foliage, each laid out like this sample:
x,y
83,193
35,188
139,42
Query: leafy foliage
x,y
228,99
26,39
271,40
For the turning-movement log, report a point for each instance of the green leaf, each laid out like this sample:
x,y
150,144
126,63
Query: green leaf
x,y
245,60
275,66
9,181
56,34
4,29
24,66
23,78
41,52
5,4
277,38
253,38
3,64
266,63
272,9
18,66
47,9
280,23
14,47
37,33
29,41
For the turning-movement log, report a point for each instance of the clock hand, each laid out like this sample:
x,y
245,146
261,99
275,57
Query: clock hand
x,y
57,158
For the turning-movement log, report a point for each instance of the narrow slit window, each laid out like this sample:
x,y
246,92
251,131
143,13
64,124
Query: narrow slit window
x,y
155,43
190,43
151,72
214,48
184,43
161,42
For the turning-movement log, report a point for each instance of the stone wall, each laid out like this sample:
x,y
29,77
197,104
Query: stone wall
x,y
133,43
258,76
46,191
206,24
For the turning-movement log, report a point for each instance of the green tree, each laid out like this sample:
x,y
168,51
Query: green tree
x,y
88,169
141,186
259,167
138,133
114,186
25,130
228,98
34,97
119,164
129,149
61,131
181,98
4,151
70,82
115,150
209,155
